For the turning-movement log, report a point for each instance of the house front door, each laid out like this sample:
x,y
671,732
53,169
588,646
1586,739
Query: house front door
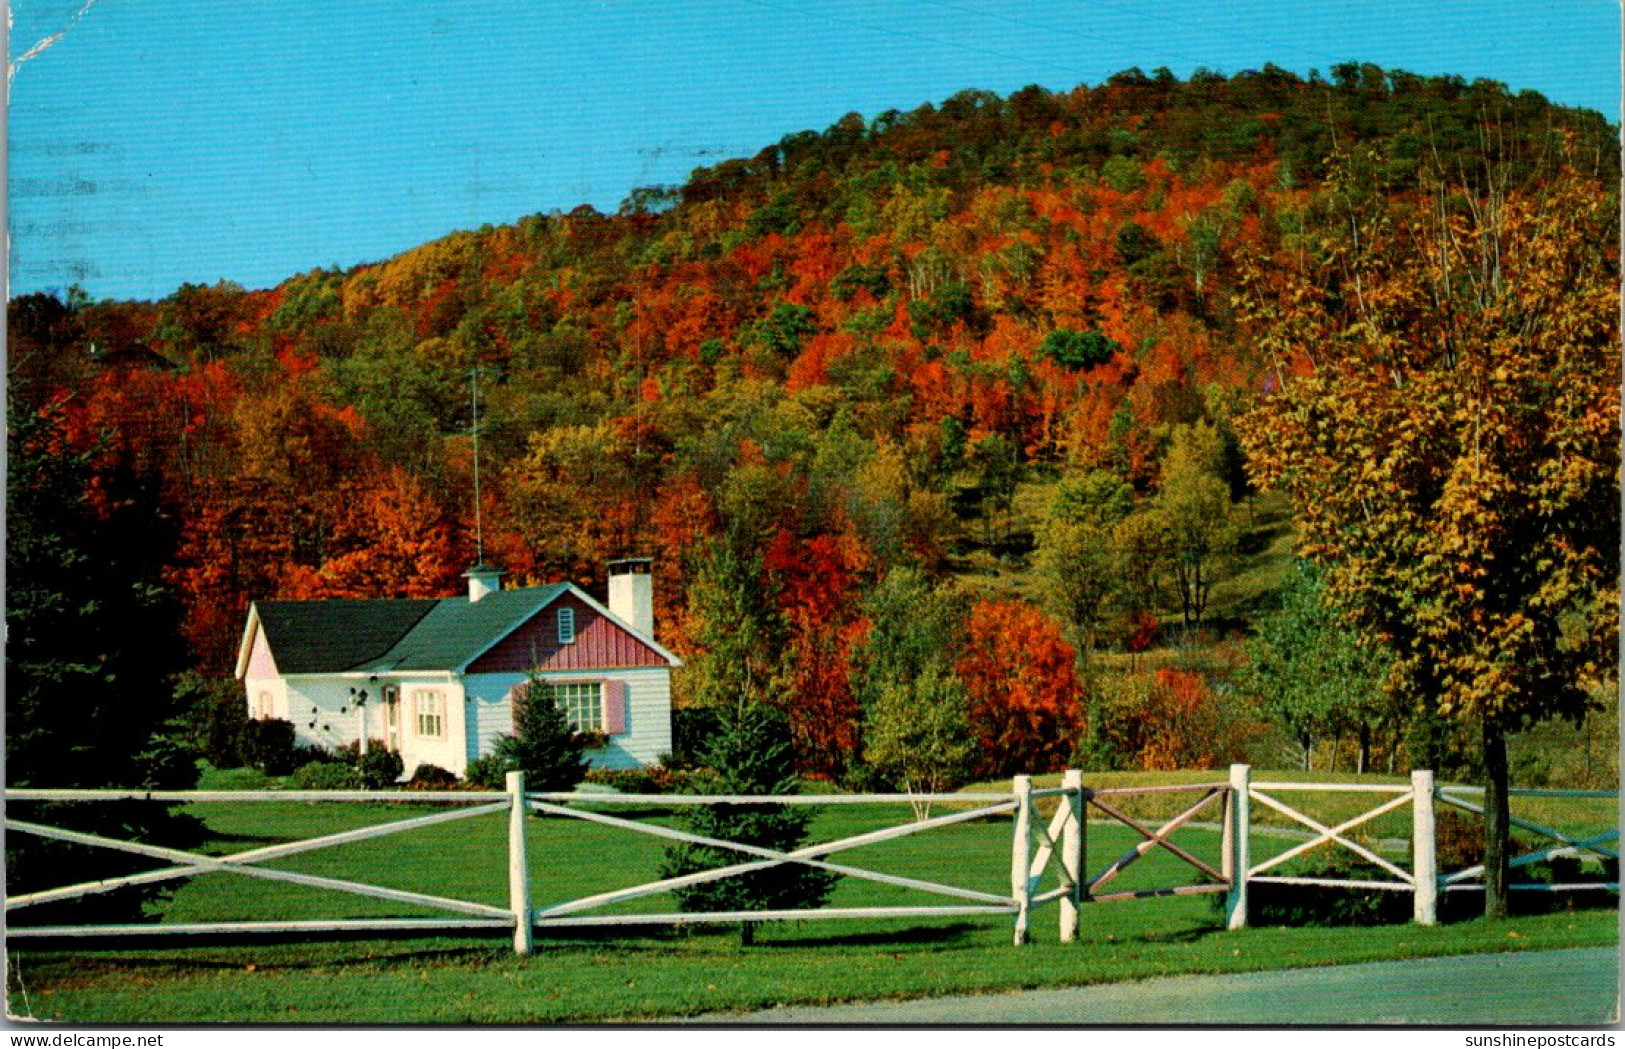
x,y
392,717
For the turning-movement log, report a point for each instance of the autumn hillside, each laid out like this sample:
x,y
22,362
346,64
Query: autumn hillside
x,y
827,380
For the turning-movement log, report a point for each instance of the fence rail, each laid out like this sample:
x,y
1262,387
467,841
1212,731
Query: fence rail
x,y
1042,844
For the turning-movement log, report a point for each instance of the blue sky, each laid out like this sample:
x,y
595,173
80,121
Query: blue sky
x,y
162,141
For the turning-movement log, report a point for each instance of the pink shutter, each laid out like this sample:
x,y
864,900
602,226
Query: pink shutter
x,y
614,707
517,697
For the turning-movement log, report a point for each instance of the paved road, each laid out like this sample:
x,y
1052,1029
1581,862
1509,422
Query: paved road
x,y
1537,987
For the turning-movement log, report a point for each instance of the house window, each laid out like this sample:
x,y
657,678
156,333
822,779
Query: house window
x,y
263,708
583,703
567,626
429,708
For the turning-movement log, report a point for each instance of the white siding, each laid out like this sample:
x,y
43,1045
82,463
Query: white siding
x,y
648,713
322,711
324,715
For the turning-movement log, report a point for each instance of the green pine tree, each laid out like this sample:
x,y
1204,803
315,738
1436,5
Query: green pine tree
x,y
91,654
544,746
751,755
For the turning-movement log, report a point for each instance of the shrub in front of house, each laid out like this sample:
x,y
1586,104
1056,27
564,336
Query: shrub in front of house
x,y
653,779
268,745
544,744
379,768
490,771
325,775
431,777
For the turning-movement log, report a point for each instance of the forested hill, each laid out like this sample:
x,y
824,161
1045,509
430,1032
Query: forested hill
x,y
842,356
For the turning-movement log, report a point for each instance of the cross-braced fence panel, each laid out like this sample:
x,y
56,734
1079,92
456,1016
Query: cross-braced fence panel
x,y
1570,836
606,907
285,865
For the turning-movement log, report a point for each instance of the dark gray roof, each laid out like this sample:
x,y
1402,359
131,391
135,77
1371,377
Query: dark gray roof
x,y
325,637
318,637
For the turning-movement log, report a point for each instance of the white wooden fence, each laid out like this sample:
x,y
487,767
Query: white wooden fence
x,y
1039,846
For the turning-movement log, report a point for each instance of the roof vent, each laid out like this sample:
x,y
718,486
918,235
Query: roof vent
x,y
482,580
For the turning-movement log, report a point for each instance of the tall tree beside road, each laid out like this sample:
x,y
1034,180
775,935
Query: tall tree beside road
x,y
1445,418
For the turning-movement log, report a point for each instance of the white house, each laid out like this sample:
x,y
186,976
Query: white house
x,y
435,679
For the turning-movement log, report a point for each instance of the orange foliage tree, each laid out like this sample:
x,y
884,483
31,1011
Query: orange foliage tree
x,y
391,539
1025,697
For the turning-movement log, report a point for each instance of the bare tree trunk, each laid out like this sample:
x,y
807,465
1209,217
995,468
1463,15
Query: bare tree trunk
x,y
1365,748
1497,820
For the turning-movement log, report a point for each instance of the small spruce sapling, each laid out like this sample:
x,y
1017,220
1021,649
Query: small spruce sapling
x,y
750,755
544,746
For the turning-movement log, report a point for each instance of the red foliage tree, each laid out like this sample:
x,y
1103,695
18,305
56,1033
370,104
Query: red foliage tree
x,y
815,583
1025,697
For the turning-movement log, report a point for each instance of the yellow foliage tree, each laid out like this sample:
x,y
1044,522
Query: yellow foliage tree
x,y
1446,421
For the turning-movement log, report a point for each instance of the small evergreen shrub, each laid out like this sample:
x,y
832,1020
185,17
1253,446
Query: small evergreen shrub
x,y
489,771
751,755
544,743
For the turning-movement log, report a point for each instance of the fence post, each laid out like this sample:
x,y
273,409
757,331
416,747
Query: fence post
x,y
1236,856
1021,856
1424,849
1072,843
518,866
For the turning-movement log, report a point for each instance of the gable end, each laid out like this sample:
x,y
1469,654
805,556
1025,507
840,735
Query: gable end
x,y
600,643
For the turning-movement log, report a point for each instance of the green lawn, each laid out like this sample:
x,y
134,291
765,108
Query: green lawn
x,y
646,973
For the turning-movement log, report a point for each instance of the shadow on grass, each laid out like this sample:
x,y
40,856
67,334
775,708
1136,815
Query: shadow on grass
x,y
920,935
266,952
260,957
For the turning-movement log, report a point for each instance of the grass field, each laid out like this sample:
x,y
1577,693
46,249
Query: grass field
x,y
644,973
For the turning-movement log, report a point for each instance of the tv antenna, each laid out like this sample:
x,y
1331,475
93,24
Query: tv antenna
x,y
474,430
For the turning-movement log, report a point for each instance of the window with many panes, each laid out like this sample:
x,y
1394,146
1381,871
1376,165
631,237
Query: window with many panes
x,y
583,703
429,709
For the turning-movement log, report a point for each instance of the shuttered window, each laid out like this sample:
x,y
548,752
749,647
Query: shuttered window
x,y
583,703
429,711
567,626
